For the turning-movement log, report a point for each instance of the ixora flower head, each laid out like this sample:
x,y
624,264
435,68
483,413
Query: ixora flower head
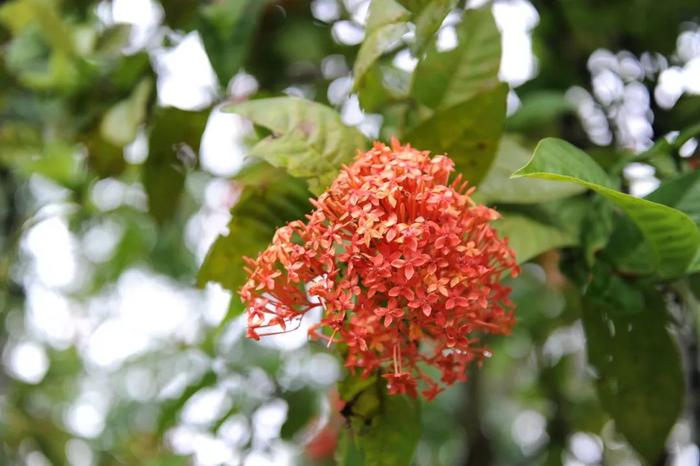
x,y
405,266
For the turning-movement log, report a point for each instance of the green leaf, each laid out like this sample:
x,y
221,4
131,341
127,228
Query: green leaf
x,y
302,407
619,294
415,6
298,157
529,238
354,384
625,246
378,42
555,159
428,22
682,193
392,436
385,12
468,132
598,225
639,375
566,214
660,155
226,28
382,86
308,139
498,187
121,122
695,264
627,249
385,428
671,234
347,453
445,79
386,24
174,131
270,199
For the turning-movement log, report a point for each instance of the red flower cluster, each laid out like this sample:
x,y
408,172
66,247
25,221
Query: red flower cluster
x,y
404,264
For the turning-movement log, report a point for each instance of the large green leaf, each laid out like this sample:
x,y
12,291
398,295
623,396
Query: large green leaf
x,y
347,453
529,238
392,436
374,46
385,12
621,295
639,377
415,6
270,199
624,248
427,16
445,79
671,234
627,249
695,264
386,24
682,193
308,139
555,159
385,428
226,28
174,131
382,86
298,157
428,21
596,228
302,406
468,132
497,187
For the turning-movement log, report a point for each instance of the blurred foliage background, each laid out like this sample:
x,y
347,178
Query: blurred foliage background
x,y
124,131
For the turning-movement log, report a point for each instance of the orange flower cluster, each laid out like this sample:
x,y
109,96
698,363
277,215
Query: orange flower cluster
x,y
405,266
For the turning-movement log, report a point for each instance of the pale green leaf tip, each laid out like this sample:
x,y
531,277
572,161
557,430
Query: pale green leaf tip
x,y
522,171
519,173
